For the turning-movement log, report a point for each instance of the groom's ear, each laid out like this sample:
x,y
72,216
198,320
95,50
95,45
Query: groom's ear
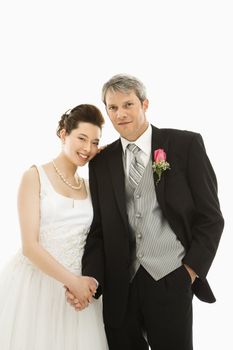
x,y
145,104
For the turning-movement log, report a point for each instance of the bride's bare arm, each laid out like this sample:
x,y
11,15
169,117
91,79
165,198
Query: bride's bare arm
x,y
29,218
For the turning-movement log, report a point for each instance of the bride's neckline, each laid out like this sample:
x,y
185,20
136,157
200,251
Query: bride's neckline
x,y
62,195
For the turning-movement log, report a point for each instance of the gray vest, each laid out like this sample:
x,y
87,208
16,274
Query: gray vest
x,y
153,243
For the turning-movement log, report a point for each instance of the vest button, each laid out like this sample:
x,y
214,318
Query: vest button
x,y
140,255
138,215
139,235
137,196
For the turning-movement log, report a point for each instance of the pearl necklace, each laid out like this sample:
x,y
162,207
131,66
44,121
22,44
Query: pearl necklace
x,y
77,179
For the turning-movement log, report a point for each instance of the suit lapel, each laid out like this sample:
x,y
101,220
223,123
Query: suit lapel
x,y
118,178
159,141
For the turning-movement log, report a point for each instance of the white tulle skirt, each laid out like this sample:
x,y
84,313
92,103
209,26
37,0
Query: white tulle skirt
x,y
34,314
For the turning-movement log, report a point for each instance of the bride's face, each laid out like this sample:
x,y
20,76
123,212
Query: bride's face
x,y
81,145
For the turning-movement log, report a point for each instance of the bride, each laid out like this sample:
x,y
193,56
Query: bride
x,y
55,213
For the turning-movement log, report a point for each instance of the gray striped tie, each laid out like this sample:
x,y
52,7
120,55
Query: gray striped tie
x,y
136,167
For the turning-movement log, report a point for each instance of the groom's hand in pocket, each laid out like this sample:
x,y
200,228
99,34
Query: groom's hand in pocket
x,y
192,273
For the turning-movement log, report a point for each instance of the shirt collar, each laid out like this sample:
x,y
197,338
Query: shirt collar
x,y
143,142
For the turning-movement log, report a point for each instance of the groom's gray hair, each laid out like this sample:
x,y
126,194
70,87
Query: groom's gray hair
x,y
124,83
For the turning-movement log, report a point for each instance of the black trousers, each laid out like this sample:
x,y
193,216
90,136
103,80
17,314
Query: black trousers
x,y
159,314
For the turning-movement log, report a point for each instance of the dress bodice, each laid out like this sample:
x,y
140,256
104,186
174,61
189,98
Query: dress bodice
x,y
64,223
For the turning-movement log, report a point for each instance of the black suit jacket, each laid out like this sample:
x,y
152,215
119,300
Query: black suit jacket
x,y
187,195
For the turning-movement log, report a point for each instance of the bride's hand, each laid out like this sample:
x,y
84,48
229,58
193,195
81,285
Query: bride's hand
x,y
102,148
79,294
70,298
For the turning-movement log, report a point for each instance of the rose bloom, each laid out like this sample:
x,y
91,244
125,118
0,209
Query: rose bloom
x,y
159,155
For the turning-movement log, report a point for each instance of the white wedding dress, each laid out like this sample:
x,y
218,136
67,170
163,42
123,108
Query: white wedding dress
x,y
34,314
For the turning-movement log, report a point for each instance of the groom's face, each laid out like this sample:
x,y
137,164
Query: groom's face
x,y
127,113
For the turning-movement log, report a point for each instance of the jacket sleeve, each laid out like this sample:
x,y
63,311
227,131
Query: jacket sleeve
x,y
208,222
93,257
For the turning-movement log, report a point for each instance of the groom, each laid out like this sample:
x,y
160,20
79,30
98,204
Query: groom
x,y
156,227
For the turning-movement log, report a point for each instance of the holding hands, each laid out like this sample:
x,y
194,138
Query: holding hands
x,y
80,291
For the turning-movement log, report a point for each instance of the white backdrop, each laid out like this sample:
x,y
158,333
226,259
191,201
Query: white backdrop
x,y
57,54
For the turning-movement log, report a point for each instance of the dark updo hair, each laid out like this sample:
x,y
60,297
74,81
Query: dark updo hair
x,y
82,113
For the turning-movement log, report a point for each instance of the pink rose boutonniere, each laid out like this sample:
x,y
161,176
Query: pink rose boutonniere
x,y
160,165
